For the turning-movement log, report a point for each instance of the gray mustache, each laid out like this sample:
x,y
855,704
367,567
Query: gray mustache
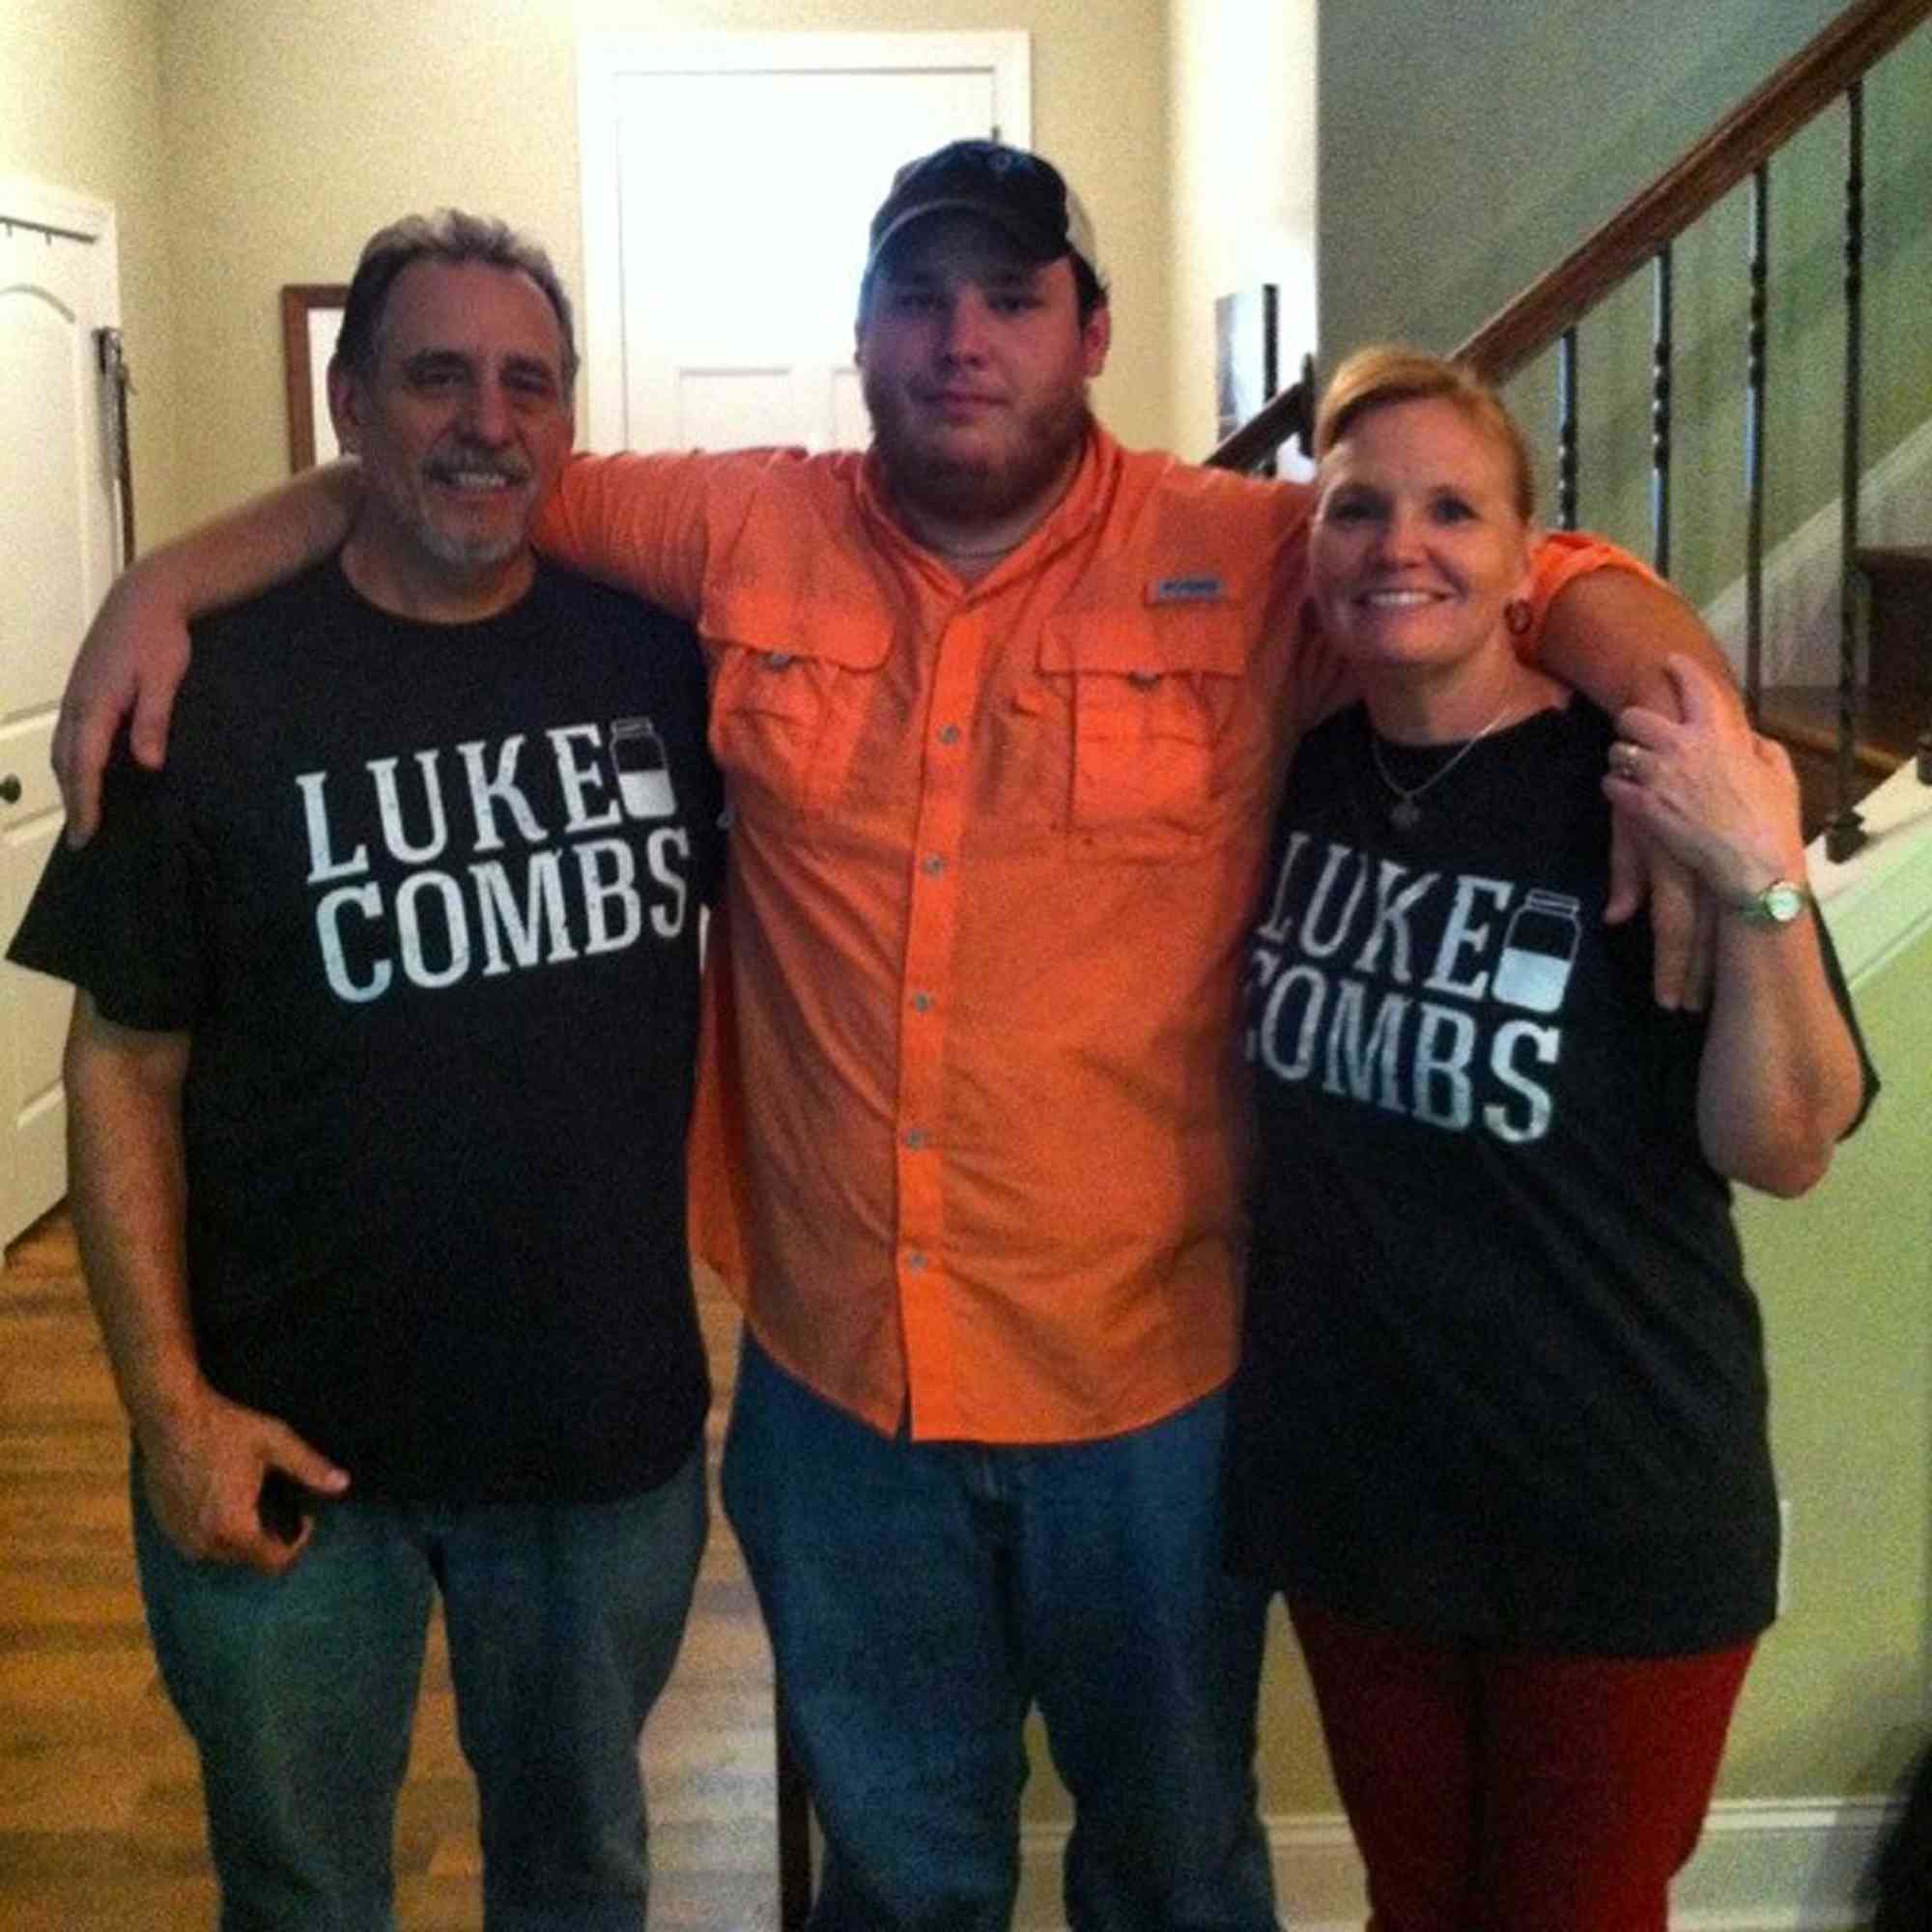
x,y
477,462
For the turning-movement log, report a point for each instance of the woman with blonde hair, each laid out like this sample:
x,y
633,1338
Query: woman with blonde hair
x,y
1499,1433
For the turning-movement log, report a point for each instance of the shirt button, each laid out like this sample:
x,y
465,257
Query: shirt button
x,y
932,865
915,1261
915,1138
949,734
778,660
1144,680
922,1002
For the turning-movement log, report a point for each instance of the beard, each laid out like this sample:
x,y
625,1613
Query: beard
x,y
459,543
462,549
982,486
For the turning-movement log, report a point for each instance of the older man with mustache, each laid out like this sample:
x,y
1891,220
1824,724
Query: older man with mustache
x,y
378,1176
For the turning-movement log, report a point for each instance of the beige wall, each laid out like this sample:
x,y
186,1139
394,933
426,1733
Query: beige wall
x,y
293,130
1242,150
1242,143
82,80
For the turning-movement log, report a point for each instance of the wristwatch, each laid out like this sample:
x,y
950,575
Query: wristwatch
x,y
1779,904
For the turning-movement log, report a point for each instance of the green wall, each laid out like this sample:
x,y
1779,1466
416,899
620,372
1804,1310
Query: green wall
x,y
1458,167
1459,162
1841,1697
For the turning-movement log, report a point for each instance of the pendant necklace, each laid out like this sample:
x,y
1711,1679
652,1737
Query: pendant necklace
x,y
1404,814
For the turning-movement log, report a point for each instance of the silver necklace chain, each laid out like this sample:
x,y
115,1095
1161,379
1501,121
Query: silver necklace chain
x,y
1404,814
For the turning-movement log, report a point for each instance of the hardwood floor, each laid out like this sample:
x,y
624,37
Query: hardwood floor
x,y
99,1800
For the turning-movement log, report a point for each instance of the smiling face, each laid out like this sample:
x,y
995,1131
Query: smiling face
x,y
463,426
1417,543
976,364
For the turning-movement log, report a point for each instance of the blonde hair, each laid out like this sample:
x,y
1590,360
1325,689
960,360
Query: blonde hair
x,y
1371,379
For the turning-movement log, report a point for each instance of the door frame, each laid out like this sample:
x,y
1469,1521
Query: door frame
x,y
607,56
27,202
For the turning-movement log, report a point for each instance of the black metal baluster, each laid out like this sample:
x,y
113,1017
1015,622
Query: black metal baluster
x,y
1566,431
1846,832
1756,394
1660,413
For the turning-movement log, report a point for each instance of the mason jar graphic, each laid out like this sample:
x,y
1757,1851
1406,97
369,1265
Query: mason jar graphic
x,y
1539,949
644,774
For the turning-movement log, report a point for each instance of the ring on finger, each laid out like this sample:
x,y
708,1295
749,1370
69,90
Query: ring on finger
x,y
1627,761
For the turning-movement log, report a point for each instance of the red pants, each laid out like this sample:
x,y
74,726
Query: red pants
x,y
1515,1791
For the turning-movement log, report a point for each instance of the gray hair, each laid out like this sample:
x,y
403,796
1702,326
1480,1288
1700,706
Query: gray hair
x,y
447,236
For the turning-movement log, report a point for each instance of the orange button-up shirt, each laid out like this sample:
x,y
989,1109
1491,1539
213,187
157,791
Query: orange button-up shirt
x,y
994,850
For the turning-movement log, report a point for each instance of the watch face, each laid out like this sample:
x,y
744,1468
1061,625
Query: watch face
x,y
1782,902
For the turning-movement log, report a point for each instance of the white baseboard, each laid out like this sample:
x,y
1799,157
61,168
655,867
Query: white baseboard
x,y
1800,575
1879,901
1782,1865
1763,1865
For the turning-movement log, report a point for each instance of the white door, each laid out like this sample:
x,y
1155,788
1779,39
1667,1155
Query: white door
x,y
728,181
58,532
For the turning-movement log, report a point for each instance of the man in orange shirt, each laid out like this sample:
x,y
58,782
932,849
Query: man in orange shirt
x,y
1002,708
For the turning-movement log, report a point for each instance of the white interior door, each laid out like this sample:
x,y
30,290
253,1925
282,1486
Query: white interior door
x,y
728,181
58,284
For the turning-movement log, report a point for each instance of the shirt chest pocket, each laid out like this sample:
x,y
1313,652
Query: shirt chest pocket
x,y
1151,690
792,684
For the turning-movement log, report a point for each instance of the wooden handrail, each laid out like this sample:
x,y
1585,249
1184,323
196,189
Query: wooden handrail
x,y
1291,412
1810,81
1807,83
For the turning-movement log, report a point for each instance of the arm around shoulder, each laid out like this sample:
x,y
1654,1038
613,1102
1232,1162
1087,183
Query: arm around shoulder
x,y
660,524
1611,632
136,650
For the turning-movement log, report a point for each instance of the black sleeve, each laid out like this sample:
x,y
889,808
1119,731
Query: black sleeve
x,y
119,917
1835,974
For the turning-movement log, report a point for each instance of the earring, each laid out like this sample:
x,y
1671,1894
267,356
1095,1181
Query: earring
x,y
1518,617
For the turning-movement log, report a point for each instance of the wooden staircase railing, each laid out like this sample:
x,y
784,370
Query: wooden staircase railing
x,y
1546,315
1793,97
1288,415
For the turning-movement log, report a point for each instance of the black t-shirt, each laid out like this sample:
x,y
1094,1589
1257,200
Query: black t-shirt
x,y
1503,1377
427,899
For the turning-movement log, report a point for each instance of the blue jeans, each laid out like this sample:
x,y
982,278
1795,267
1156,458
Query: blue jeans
x,y
920,1597
563,1622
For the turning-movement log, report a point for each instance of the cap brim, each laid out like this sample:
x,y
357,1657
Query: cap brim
x,y
1040,245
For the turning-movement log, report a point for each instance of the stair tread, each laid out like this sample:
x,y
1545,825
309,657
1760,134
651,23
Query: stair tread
x,y
1888,725
1896,559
